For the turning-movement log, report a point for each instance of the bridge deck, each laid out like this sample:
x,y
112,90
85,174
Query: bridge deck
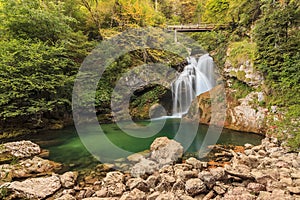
x,y
194,27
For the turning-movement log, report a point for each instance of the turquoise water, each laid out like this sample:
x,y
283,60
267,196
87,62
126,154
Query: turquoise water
x,y
66,147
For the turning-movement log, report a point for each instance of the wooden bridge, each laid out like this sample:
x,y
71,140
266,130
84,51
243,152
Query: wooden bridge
x,y
203,27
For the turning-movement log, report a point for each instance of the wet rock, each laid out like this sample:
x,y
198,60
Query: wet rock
x,y
68,179
195,186
36,188
165,151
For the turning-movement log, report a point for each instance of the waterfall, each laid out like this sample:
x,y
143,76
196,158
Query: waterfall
x,y
196,78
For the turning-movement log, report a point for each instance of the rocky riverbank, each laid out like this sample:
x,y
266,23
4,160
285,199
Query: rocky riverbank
x,y
267,171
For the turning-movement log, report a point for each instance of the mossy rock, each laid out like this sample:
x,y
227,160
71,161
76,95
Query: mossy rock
x,y
6,158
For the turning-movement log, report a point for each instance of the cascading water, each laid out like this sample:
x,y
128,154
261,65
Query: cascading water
x,y
196,78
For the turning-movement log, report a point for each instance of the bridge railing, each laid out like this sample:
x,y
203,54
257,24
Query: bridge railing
x,y
208,26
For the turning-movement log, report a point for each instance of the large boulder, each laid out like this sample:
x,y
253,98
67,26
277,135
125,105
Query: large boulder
x,y
28,168
11,151
21,149
165,151
36,188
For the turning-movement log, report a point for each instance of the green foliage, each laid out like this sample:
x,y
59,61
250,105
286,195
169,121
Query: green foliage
x,y
215,42
32,19
39,58
240,52
34,79
216,11
108,17
4,192
241,89
141,103
277,37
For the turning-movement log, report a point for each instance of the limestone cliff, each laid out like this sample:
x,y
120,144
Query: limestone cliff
x,y
242,115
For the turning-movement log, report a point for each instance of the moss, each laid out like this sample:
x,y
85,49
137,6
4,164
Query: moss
x,y
241,89
232,73
241,75
240,52
248,80
142,101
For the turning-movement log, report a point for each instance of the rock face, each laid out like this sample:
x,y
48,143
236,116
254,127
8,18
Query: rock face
x,y
36,188
242,66
240,115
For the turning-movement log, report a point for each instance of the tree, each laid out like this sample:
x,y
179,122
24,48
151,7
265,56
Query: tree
x,y
39,58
